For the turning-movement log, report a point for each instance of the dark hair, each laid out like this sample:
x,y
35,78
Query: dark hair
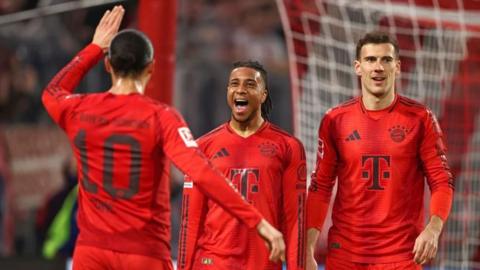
x,y
130,52
377,37
267,105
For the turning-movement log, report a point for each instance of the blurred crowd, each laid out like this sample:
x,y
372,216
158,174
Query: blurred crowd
x,y
33,50
211,35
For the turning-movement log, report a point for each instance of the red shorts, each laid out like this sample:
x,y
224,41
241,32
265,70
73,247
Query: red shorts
x,y
92,258
205,260
339,264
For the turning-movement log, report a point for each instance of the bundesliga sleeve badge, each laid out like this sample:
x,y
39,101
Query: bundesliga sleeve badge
x,y
187,137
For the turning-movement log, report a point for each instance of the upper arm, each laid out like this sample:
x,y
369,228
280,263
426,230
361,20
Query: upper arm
x,y
433,154
437,171
323,177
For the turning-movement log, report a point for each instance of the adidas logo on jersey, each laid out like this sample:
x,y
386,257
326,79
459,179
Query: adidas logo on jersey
x,y
353,136
222,153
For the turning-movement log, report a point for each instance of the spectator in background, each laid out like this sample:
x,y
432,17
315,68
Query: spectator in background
x,y
260,38
63,231
24,54
207,34
6,221
18,84
50,209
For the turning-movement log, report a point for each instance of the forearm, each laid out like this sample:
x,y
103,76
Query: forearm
x,y
180,147
55,95
317,209
193,210
441,202
216,187
70,76
294,229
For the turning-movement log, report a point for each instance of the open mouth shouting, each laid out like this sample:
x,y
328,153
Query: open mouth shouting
x,y
240,105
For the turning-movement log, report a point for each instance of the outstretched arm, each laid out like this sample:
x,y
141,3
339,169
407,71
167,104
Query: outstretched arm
x,y
57,97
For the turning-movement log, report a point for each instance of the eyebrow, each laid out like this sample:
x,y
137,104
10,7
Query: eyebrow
x,y
375,57
247,80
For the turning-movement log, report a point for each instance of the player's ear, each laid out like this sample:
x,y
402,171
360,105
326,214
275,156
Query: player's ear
x,y
264,95
397,65
108,66
150,67
358,71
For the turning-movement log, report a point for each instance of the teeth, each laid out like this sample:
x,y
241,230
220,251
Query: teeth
x,y
241,102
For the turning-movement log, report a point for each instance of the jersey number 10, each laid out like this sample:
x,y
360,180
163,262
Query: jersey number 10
x,y
108,162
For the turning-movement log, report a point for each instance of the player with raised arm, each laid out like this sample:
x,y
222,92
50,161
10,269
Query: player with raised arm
x,y
121,140
268,167
380,147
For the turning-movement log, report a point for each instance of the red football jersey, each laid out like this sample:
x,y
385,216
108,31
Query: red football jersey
x,y
121,143
268,168
381,159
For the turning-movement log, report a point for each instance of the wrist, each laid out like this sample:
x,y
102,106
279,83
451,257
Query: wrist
x,y
435,224
310,250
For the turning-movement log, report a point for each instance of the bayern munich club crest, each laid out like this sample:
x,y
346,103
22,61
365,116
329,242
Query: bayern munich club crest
x,y
268,149
398,133
302,172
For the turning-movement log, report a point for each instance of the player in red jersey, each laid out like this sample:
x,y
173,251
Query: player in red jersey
x,y
121,140
380,147
268,167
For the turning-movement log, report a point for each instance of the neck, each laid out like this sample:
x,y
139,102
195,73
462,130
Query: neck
x,y
125,86
246,128
375,103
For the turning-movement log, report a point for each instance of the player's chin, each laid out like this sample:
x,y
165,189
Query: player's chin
x,y
378,91
241,118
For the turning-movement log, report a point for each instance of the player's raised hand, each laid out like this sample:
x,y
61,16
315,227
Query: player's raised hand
x,y
108,27
426,244
274,239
